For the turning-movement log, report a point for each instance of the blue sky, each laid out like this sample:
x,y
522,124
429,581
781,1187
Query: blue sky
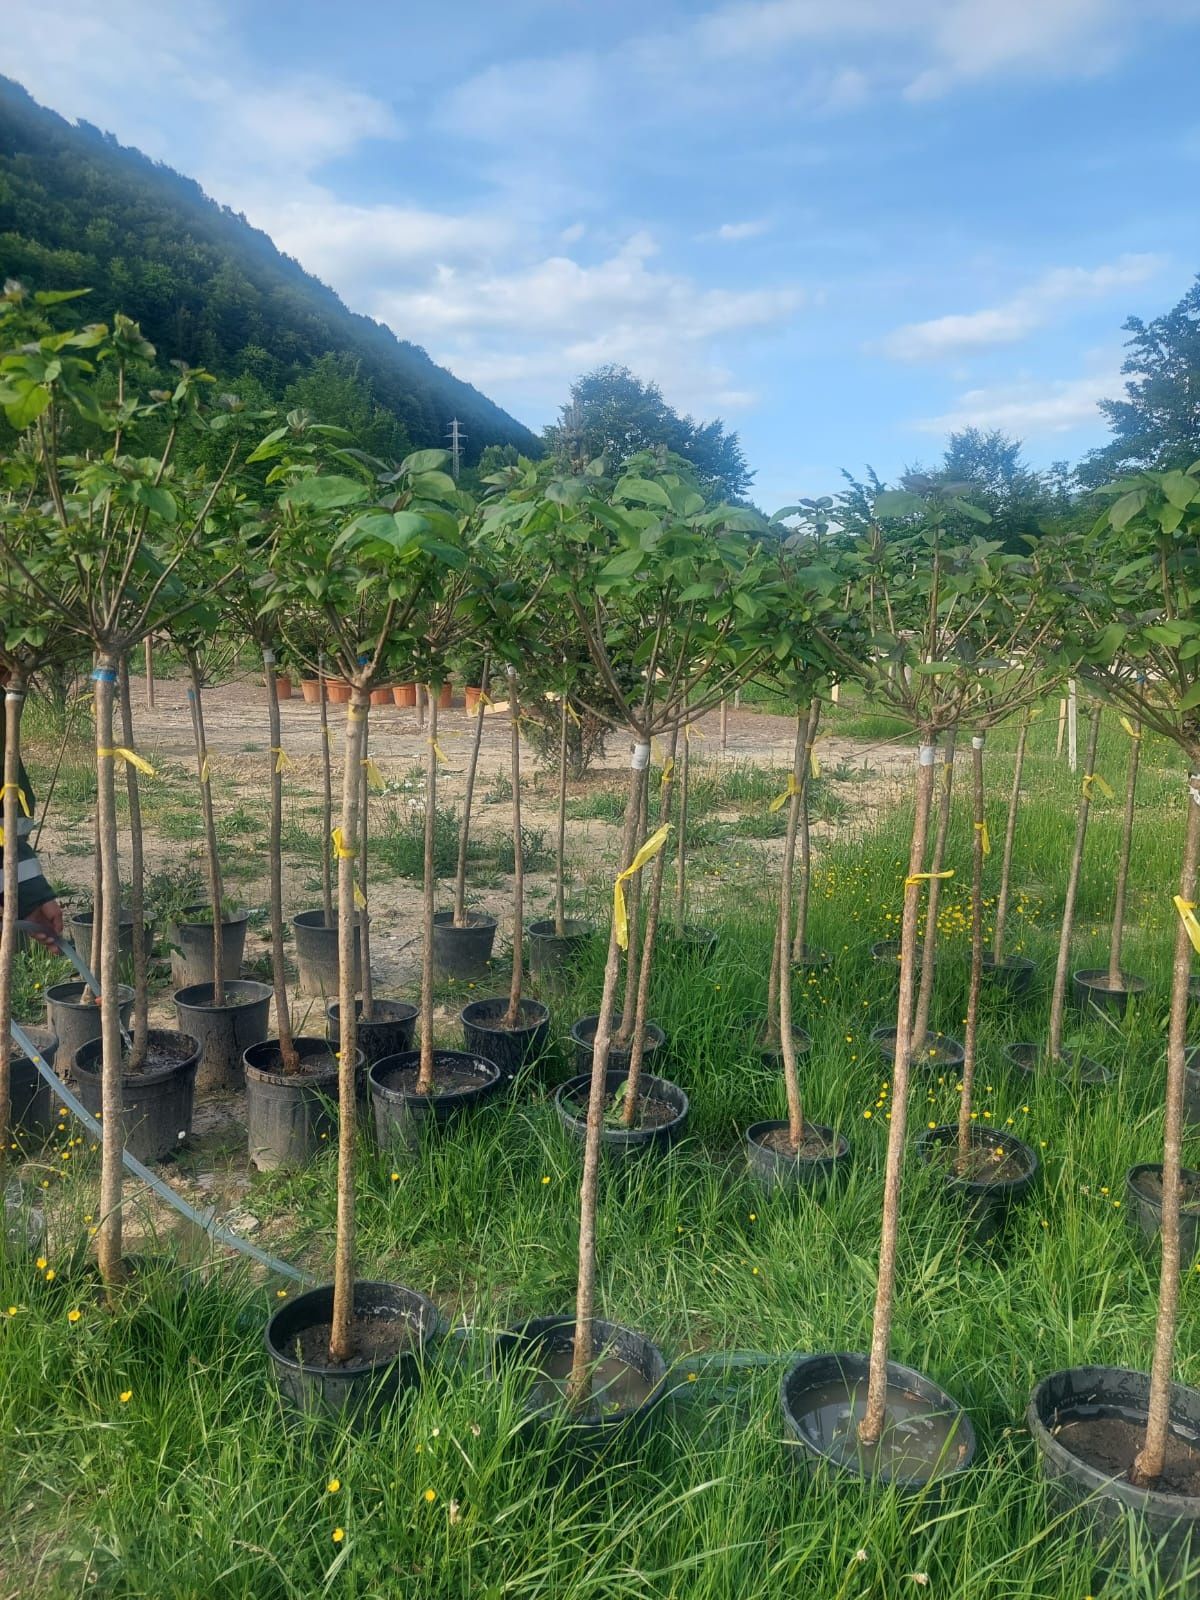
x,y
845,226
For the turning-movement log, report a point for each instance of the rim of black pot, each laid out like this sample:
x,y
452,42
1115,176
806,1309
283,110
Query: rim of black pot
x,y
1132,1174
692,933
186,1063
430,1327
403,1060
1051,1445
647,1084
884,1039
537,1330
185,920
889,950
655,1036
1009,964
1098,1074
991,1138
573,928
474,921
316,920
125,995
305,1043
528,1003
124,917
44,1040
911,1378
236,985
1130,982
402,1011
753,1022
756,1131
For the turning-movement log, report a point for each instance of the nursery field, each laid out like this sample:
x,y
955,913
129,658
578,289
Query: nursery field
x,y
147,1450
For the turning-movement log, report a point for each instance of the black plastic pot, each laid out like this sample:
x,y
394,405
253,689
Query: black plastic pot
x,y
812,961
888,952
317,953
939,1050
587,1432
1091,989
511,1049
583,1036
31,1101
571,1104
552,955
401,1113
315,1387
1112,1506
691,943
289,1115
156,1107
1144,1209
191,942
816,1398
778,1170
1014,974
73,1015
462,953
79,928
772,1055
225,1032
1072,1069
987,1205
389,1031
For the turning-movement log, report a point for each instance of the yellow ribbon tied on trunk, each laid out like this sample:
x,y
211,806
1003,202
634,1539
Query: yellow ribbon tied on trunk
x,y
981,828
814,764
360,899
22,798
781,799
374,776
647,853
923,877
667,772
1134,733
1187,915
282,759
1093,780
340,848
130,757
205,774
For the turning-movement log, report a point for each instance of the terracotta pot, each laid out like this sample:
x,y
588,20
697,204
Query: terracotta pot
x,y
382,697
337,692
446,697
404,694
310,688
471,700
283,686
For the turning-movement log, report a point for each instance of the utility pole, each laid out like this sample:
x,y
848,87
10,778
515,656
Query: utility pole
x,y
456,438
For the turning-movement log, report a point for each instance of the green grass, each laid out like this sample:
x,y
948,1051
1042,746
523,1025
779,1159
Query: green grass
x,y
198,1485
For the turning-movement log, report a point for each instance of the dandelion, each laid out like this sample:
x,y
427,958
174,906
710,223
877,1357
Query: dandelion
x,y
692,1376
50,1274
12,1310
868,1114
40,1263
125,1396
338,1535
753,1216
429,1496
333,1486
74,1314
281,1294
545,1177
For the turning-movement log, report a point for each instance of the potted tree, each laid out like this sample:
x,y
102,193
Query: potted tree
x,y
1111,988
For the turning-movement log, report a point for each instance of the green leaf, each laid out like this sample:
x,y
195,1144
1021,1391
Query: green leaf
x,y
623,565
324,493
1191,699
644,490
425,461
33,398
55,297
1127,507
1180,489
898,503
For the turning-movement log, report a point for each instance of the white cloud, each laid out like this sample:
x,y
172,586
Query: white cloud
x,y
950,337
1031,408
733,232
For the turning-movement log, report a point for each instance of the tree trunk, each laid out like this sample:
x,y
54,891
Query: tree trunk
x,y
1058,998
871,1426
1010,834
513,1014
108,932
362,909
771,1036
14,704
1118,922
464,833
929,953
326,800
970,1038
681,845
341,1344
787,1043
800,942
137,882
216,891
1151,1458
579,1384
654,900
425,1075
633,897
560,876
289,1060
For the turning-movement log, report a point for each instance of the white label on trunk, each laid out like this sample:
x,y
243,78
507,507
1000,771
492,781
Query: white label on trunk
x,y
1194,786
927,755
640,759
268,658
977,741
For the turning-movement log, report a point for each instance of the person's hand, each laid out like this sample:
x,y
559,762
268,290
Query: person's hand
x,y
47,920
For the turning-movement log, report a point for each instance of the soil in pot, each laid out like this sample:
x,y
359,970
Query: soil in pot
x,y
998,1173
583,1037
461,1081
462,952
156,1110
662,1112
1092,988
73,1014
225,1032
1073,1068
926,1434
1144,1190
511,1048
629,1374
1087,1424
939,1050
389,1031
773,1160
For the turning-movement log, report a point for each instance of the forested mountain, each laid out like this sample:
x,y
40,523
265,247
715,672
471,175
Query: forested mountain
x,y
78,209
